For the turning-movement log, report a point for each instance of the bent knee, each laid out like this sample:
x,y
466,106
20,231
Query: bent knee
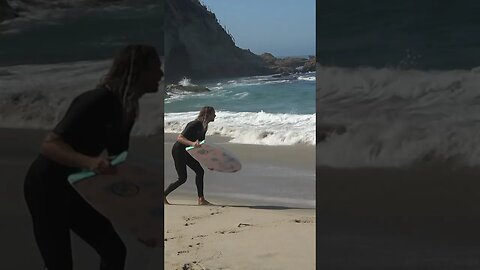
x,y
182,180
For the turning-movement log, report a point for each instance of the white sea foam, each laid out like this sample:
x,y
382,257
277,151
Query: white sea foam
x,y
253,128
37,96
307,78
186,82
399,117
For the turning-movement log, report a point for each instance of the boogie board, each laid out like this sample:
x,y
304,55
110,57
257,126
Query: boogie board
x,y
215,157
132,197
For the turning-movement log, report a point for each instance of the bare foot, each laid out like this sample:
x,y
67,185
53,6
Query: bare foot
x,y
165,201
202,201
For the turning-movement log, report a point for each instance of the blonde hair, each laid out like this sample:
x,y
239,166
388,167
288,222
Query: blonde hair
x,y
203,114
125,72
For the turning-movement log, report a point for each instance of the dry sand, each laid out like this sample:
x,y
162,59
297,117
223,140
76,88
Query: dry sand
x,y
230,236
241,234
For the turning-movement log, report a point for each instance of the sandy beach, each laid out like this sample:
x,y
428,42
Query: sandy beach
x,y
278,175
232,236
235,234
242,232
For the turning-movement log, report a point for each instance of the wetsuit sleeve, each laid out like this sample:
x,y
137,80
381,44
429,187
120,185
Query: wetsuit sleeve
x,y
193,130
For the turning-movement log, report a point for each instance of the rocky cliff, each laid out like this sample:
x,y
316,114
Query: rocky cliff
x,y
13,8
197,47
6,11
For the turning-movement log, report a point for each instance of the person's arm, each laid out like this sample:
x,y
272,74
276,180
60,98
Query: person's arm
x,y
181,139
56,149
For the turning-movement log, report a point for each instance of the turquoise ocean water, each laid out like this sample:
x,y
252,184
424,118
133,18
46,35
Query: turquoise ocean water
x,y
255,110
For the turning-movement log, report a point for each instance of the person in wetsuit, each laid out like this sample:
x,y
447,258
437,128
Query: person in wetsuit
x,y
97,120
190,136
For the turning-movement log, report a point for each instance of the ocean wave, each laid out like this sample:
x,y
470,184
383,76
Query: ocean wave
x,y
398,118
224,88
186,82
240,95
252,128
252,83
307,78
401,145
37,96
384,83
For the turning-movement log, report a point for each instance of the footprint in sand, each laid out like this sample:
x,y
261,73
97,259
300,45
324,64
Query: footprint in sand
x,y
192,218
227,232
171,238
190,266
304,220
182,252
187,266
199,236
215,213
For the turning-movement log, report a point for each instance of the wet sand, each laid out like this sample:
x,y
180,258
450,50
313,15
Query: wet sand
x,y
276,231
417,218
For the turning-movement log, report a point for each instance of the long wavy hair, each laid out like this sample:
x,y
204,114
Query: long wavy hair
x,y
124,74
203,114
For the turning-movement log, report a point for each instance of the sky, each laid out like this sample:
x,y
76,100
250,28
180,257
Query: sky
x,y
281,27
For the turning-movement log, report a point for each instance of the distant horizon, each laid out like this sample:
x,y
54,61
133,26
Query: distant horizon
x,y
262,27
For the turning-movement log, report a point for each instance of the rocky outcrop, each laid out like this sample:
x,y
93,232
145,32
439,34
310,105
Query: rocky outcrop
x,y
6,11
197,47
187,88
288,65
310,64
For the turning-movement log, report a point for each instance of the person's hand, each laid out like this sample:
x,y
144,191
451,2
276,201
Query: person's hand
x,y
101,165
197,144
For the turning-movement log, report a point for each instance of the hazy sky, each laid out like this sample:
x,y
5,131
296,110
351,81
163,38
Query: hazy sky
x,y
281,27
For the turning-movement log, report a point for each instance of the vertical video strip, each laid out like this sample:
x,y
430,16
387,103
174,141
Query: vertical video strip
x,y
397,142
239,135
68,108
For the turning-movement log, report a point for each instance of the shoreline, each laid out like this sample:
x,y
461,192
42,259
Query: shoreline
x,y
19,147
246,232
281,175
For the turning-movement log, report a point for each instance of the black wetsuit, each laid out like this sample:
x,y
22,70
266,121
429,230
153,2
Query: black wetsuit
x,y
193,131
92,124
